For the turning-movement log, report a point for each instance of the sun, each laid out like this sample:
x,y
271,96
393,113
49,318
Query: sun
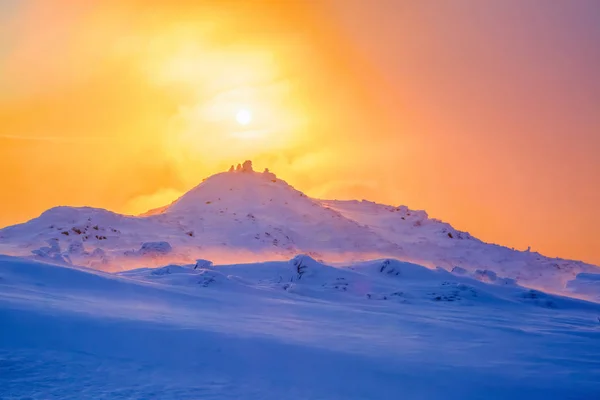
x,y
243,116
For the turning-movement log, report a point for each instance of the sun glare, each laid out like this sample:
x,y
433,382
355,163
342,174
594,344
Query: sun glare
x,y
243,116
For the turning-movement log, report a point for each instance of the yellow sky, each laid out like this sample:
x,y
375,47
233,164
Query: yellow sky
x,y
127,104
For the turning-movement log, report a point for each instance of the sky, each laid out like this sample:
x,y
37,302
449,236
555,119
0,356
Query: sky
x,y
485,113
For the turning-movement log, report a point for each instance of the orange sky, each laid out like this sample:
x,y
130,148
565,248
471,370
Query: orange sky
x,y
483,113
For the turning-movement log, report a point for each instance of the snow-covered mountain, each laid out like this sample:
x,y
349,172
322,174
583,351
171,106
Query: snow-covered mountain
x,y
246,288
243,216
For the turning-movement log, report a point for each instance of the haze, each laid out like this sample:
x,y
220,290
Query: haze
x,y
484,113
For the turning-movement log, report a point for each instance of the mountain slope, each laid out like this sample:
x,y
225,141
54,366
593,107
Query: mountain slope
x,y
434,243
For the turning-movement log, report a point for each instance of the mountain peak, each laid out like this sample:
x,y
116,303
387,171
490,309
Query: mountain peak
x,y
240,186
246,167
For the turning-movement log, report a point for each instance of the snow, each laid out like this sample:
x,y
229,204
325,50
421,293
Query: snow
x,y
247,288
152,249
587,285
293,329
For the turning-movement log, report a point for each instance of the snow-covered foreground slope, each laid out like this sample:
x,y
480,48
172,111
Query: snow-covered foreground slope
x,y
293,329
245,216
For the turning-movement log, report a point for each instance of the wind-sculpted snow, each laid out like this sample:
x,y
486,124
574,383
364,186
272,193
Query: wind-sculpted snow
x,y
245,216
586,284
293,329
